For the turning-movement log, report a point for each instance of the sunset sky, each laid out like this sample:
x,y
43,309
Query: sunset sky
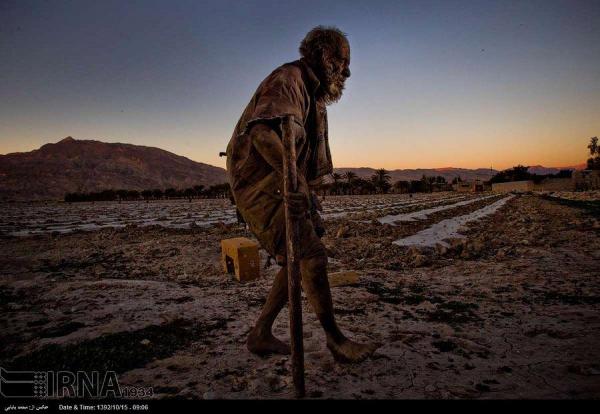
x,y
434,83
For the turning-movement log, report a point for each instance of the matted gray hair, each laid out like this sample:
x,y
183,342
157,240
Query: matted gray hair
x,y
320,39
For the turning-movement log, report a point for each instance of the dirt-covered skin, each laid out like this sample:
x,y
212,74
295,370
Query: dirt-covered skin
x,y
511,311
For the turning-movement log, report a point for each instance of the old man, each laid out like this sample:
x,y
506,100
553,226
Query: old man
x,y
302,89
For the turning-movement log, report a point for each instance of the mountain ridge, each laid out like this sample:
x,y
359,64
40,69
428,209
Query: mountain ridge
x,y
73,165
84,165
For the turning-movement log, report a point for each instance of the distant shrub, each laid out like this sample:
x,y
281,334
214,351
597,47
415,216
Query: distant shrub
x,y
197,191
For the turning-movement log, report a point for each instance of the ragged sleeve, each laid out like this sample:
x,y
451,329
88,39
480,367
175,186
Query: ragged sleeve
x,y
282,93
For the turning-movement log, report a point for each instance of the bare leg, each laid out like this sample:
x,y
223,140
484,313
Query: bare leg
x,y
316,287
260,339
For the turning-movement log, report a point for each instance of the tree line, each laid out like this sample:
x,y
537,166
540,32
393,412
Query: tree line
x,y
340,184
380,182
346,184
197,191
521,173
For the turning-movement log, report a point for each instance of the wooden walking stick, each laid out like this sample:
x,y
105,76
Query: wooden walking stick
x,y
290,184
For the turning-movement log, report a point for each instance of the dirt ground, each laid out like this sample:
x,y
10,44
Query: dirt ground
x,y
510,311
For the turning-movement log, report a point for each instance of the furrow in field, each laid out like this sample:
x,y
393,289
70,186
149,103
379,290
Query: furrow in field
x,y
449,228
423,214
65,218
328,214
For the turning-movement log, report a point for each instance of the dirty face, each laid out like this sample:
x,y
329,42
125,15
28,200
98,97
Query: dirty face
x,y
335,70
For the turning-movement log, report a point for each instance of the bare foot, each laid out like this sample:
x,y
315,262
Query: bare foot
x,y
347,351
263,344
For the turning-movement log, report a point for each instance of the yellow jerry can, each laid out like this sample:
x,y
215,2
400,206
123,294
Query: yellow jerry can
x,y
240,257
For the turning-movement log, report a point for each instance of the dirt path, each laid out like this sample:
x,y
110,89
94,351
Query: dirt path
x,y
511,311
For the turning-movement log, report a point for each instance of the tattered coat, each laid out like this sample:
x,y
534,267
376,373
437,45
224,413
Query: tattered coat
x,y
257,188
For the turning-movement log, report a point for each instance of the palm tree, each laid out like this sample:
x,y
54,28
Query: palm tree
x,y
350,178
133,194
157,193
122,194
198,189
147,194
401,186
336,183
382,175
189,194
428,183
593,163
381,178
171,193
365,186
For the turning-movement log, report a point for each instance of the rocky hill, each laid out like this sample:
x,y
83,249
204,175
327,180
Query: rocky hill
x,y
72,165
